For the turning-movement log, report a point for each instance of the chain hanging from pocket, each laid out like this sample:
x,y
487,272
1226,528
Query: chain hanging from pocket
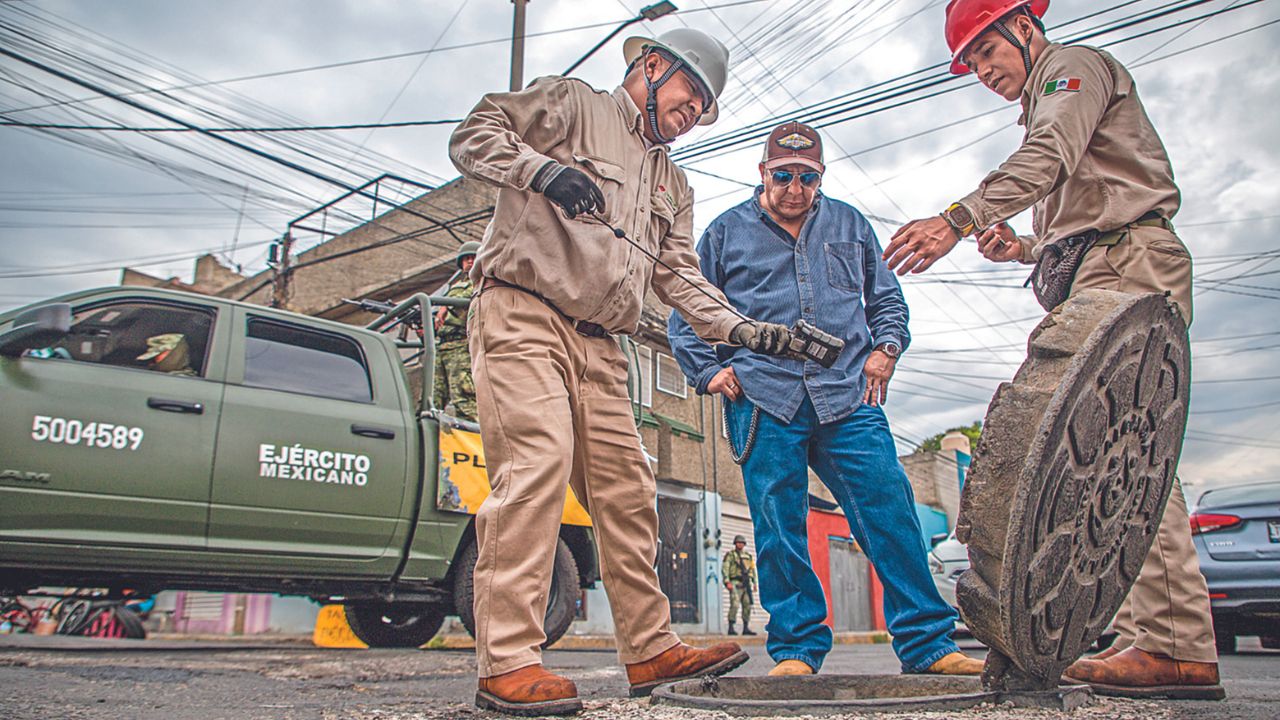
x,y
751,434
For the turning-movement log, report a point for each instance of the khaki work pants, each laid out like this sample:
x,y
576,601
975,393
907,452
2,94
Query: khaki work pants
x,y
1167,611
555,413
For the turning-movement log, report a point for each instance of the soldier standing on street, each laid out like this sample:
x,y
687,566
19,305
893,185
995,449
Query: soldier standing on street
x,y
554,285
453,359
1097,177
739,572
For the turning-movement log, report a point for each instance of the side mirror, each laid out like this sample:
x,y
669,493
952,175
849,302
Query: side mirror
x,y
36,328
935,539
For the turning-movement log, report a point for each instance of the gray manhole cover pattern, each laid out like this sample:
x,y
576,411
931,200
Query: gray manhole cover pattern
x,y
1071,476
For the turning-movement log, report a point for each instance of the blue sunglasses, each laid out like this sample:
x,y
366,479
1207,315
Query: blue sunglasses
x,y
808,179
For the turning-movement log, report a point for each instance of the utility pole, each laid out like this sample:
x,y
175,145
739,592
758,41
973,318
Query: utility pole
x,y
280,281
517,46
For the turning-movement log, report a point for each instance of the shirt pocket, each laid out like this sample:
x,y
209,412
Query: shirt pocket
x,y
844,266
610,177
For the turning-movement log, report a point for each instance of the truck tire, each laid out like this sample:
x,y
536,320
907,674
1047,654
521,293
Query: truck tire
x,y
562,600
380,624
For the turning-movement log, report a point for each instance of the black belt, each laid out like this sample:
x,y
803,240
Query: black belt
x,y
582,327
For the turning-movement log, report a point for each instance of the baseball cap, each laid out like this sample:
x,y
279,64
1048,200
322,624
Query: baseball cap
x,y
793,143
160,344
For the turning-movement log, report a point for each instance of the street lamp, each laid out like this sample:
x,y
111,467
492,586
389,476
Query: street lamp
x,y
648,12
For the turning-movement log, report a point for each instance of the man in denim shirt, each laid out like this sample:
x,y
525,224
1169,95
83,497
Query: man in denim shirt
x,y
790,253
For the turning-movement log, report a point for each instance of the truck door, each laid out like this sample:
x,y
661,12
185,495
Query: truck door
x,y
108,435
312,450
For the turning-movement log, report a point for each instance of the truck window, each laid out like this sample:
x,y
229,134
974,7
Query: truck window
x,y
137,334
287,357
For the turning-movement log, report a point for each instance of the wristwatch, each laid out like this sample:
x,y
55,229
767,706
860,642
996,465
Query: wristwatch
x,y
959,218
891,349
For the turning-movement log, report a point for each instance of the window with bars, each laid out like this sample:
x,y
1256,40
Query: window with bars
x,y
670,377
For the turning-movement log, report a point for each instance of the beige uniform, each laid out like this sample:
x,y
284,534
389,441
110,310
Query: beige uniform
x,y
553,404
1091,159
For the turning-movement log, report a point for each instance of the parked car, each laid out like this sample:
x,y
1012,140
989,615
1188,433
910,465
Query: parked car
x,y
947,559
1236,531
155,439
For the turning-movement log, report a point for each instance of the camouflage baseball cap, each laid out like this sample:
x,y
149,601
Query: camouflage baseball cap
x,y
160,344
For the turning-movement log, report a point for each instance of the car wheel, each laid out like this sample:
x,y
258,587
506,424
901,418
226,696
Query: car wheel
x,y
382,624
562,599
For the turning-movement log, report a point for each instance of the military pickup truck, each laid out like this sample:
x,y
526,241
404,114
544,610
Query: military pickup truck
x,y
154,439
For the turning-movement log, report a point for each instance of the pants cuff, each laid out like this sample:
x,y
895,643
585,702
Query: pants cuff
x,y
1202,655
809,660
511,665
651,651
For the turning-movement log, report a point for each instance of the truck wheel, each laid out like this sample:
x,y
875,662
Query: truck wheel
x,y
562,601
380,624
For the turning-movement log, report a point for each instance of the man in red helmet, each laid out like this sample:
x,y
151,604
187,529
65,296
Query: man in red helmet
x,y
1100,184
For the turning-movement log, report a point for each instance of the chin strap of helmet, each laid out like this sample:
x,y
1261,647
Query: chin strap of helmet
x,y
651,103
1026,49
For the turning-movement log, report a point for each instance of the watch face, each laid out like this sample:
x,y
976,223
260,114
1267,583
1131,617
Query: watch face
x,y
960,216
891,349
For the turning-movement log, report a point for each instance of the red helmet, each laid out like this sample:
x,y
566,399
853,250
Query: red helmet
x,y
967,19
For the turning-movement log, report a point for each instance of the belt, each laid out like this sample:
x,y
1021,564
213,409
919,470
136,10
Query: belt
x,y
1150,219
582,327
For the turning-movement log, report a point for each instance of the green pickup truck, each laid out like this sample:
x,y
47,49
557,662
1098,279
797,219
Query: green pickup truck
x,y
154,439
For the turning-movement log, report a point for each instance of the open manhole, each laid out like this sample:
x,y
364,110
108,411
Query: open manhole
x,y
826,694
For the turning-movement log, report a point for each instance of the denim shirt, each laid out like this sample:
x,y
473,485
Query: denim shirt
x,y
832,276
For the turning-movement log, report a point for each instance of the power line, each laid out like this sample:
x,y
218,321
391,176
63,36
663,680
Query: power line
x,y
296,128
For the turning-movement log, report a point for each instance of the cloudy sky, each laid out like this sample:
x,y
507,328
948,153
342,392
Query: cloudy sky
x,y
77,205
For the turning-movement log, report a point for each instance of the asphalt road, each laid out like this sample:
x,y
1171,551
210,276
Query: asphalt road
x,y
80,679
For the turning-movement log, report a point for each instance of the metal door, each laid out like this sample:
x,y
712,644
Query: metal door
x,y
678,557
850,586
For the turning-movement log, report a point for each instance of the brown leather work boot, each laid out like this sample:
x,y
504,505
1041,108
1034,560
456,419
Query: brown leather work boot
x,y
956,663
529,691
681,663
1136,673
1107,652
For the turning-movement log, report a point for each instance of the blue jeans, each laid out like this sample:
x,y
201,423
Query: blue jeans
x,y
856,459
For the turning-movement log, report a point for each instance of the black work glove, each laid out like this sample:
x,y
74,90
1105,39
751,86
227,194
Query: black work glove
x,y
570,188
766,338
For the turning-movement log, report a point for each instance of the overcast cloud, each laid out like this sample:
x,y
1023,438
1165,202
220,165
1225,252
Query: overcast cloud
x,y
1214,106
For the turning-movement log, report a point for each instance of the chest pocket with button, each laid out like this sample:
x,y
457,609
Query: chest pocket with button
x,y
610,177
844,266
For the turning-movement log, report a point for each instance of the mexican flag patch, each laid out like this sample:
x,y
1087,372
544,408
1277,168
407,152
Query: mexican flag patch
x,y
1063,85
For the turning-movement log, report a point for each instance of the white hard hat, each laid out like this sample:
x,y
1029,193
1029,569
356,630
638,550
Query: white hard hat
x,y
706,56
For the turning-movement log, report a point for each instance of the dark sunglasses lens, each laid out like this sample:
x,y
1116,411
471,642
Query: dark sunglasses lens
x,y
808,179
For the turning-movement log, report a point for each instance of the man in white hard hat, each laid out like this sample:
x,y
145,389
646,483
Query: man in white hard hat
x,y
554,285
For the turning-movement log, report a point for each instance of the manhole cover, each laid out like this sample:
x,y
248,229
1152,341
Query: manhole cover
x,y
1070,479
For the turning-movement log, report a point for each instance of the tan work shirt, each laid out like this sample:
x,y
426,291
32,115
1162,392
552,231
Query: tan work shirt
x,y
1090,158
578,265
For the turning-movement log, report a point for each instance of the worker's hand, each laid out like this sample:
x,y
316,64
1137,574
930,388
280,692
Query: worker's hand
x,y
764,338
728,585
999,243
725,382
878,369
439,320
918,245
574,191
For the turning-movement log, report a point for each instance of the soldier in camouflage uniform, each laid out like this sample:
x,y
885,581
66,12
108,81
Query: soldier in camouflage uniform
x,y
453,359
739,572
